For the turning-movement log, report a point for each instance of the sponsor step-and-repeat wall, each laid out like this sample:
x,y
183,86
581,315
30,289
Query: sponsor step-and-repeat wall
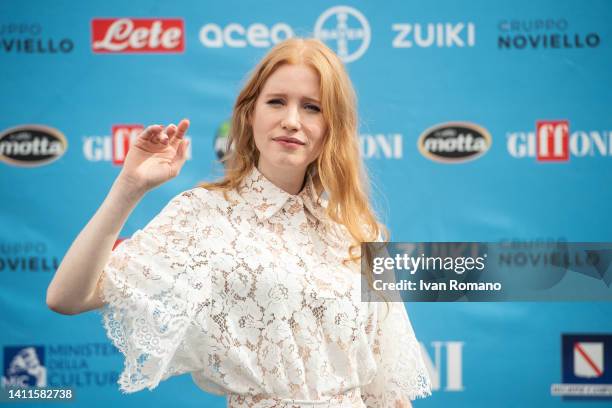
x,y
479,121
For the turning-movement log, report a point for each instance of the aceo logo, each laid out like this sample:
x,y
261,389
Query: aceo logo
x,y
348,28
440,35
343,28
138,35
553,142
31,145
454,142
237,36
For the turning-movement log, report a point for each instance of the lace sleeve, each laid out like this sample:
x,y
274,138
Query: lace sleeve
x,y
401,374
148,286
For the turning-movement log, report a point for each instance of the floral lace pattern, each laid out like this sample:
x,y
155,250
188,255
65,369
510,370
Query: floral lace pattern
x,y
250,296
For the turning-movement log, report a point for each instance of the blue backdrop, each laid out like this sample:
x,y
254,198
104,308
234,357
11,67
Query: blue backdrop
x,y
519,93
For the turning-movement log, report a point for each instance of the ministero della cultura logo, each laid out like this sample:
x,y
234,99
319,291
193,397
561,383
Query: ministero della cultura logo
x,y
486,271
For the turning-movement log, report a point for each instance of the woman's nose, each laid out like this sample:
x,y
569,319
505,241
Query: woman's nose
x,y
292,119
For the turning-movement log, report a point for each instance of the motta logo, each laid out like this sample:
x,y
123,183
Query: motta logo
x,y
31,145
454,142
138,35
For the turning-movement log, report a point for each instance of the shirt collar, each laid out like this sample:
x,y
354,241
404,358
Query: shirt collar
x,y
267,199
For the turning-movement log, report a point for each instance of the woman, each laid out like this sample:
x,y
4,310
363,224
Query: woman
x,y
252,283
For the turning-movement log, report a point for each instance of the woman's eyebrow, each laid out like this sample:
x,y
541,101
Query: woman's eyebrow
x,y
284,95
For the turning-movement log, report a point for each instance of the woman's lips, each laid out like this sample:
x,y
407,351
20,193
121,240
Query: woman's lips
x,y
288,142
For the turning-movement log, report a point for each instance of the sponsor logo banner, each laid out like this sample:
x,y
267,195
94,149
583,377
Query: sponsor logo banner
x,y
454,142
31,145
586,371
137,35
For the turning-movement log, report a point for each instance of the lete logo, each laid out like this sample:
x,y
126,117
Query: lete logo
x,y
137,35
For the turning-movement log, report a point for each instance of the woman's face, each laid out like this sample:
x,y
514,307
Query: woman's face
x,y
287,122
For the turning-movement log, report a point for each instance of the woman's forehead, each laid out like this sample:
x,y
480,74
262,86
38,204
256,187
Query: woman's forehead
x,y
291,79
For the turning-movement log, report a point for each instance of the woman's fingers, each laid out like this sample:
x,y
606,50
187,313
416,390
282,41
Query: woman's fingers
x,y
182,128
150,132
172,134
181,156
171,130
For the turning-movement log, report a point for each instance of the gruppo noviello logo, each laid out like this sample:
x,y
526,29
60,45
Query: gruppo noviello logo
x,y
586,370
24,366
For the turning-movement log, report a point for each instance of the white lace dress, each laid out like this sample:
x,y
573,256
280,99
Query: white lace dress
x,y
250,296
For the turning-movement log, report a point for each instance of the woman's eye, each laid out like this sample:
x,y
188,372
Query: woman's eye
x,y
274,102
313,108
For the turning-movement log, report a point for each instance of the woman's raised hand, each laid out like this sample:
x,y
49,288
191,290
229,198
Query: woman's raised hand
x,y
156,156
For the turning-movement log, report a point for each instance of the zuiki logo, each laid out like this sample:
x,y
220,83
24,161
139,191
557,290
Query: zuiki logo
x,y
24,366
586,367
31,145
344,29
115,147
552,141
454,142
137,35
439,35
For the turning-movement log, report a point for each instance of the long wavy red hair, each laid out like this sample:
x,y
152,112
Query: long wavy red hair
x,y
339,169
